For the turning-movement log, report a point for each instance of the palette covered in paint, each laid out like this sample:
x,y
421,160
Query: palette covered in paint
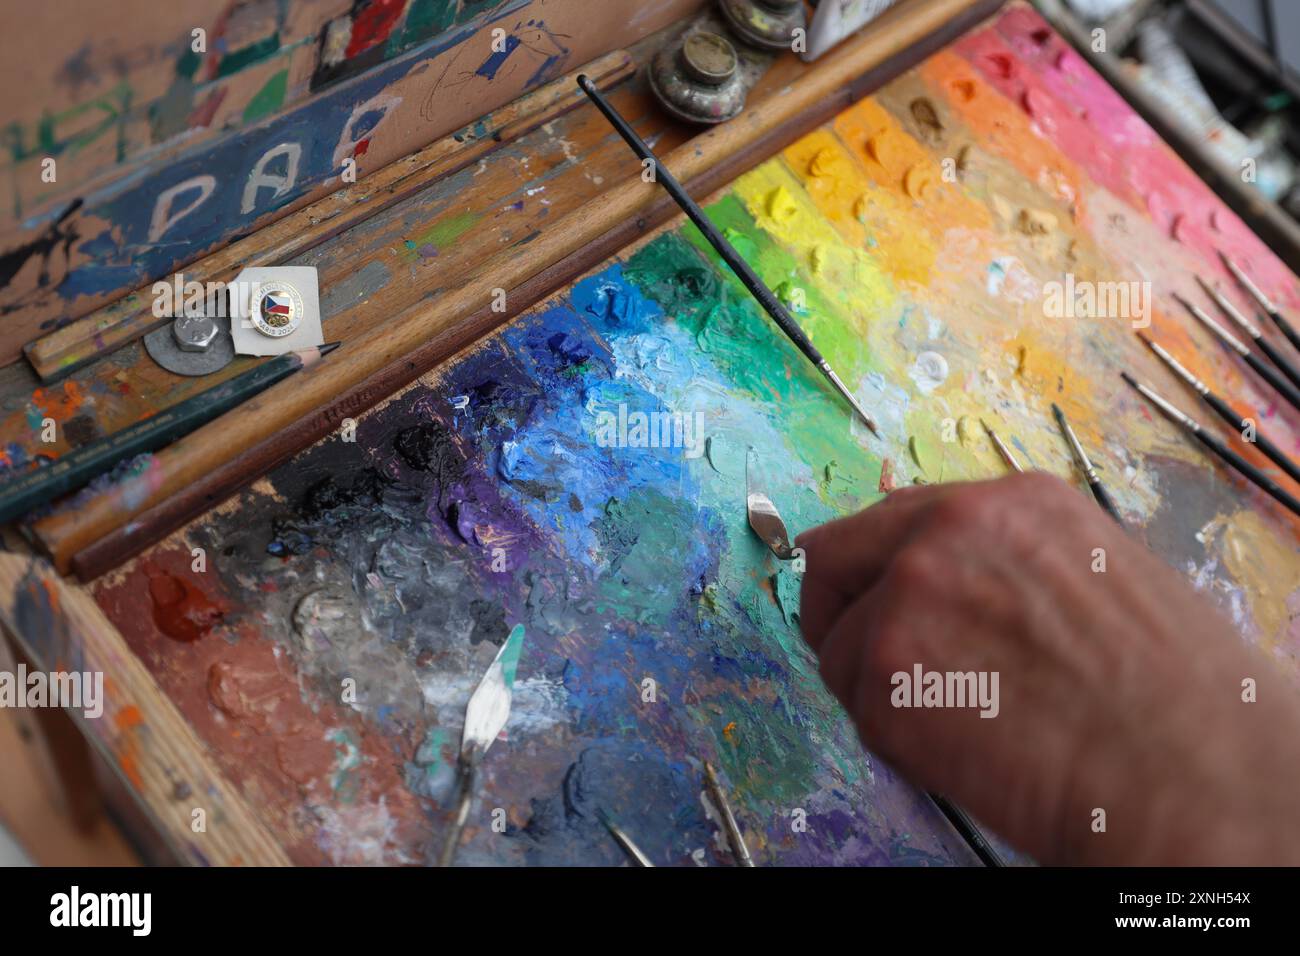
x,y
579,479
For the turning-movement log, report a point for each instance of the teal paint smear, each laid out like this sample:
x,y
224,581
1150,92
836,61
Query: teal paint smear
x,y
247,56
509,655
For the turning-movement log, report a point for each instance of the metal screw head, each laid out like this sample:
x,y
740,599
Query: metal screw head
x,y
194,333
708,57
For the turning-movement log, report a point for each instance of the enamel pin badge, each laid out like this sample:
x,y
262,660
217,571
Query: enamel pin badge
x,y
279,310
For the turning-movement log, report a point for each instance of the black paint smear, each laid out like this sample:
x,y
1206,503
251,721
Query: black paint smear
x,y
489,622
430,447
500,404
542,820
326,495
59,232
572,790
80,430
293,535
288,537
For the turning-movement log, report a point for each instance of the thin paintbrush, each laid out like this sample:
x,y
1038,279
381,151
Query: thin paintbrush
x,y
1263,301
1279,384
969,830
1231,311
1085,466
1239,423
1003,450
737,840
71,471
629,846
724,249
1245,468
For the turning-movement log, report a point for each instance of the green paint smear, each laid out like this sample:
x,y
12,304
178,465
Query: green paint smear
x,y
635,533
443,232
424,19
269,98
253,53
812,466
752,354
827,323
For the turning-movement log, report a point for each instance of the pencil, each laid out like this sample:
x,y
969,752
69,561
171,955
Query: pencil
x,y
1240,423
770,303
1245,468
21,494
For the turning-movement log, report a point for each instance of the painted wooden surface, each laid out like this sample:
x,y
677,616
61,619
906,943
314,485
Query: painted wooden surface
x,y
121,213
206,820
396,334
90,338
483,498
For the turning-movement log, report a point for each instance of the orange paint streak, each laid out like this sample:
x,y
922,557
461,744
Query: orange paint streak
x,y
1001,127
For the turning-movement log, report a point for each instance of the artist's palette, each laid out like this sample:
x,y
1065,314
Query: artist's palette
x,y
582,474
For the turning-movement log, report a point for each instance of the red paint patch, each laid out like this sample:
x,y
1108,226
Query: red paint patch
x,y
180,610
887,480
1001,64
372,24
360,149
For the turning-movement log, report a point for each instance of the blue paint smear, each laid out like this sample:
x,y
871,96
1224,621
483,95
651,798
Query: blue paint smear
x,y
494,62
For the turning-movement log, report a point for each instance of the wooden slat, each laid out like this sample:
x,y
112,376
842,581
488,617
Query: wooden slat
x,y
140,731
120,322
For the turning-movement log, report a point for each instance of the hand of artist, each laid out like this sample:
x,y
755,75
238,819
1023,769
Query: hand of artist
x,y
1119,690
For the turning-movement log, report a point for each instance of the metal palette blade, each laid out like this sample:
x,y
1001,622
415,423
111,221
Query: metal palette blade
x,y
763,516
489,705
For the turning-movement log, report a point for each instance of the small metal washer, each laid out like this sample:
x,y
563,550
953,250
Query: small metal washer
x,y
161,346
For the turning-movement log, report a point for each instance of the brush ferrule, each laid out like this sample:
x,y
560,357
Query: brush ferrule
x,y
1256,293
1177,368
1235,314
1169,410
848,396
1076,447
1217,329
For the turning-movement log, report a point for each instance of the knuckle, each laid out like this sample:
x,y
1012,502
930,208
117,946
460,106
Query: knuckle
x,y
887,651
917,570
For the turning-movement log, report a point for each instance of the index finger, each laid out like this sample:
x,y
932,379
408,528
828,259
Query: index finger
x,y
845,557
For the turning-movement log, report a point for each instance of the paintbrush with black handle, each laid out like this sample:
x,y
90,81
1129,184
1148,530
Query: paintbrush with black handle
x,y
1263,301
1239,423
1245,468
1262,369
1085,465
748,277
1264,345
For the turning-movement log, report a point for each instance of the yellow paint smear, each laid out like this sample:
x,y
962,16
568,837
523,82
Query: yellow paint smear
x,y
845,275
